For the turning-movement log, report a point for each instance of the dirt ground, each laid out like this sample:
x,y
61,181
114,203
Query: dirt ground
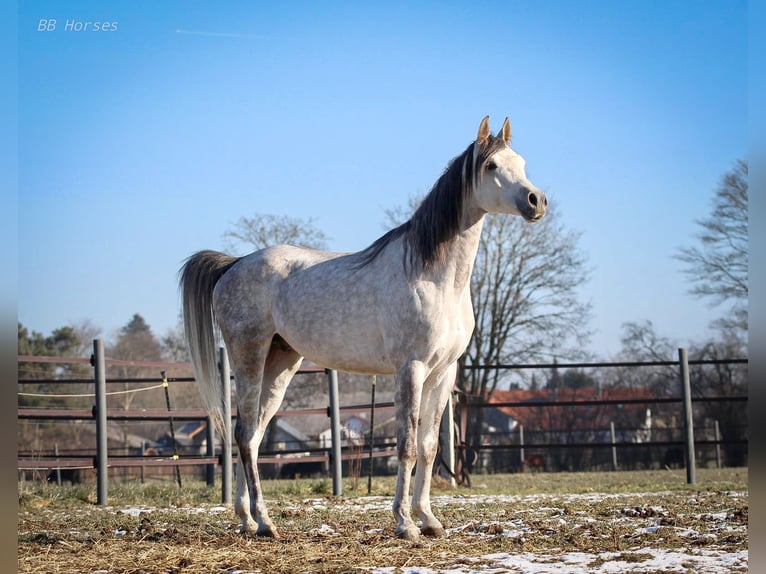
x,y
694,530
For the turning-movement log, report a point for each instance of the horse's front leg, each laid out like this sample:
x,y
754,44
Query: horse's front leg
x,y
409,387
435,396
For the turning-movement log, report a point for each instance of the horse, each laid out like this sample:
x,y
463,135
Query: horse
x,y
400,307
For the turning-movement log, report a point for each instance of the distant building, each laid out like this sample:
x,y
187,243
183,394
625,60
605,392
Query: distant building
x,y
573,425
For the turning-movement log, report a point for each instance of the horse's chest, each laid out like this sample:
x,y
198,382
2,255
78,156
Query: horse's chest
x,y
458,330
444,328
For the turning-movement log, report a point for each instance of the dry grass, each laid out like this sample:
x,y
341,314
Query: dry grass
x,y
62,530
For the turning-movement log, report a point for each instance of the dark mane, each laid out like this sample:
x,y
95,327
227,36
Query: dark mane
x,y
437,220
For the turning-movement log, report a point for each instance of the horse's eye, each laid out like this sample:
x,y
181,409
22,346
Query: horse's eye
x,y
491,165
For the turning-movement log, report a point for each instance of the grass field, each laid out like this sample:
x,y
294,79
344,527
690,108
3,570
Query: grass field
x,y
564,522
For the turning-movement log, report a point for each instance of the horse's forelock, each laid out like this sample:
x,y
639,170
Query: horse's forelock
x,y
486,151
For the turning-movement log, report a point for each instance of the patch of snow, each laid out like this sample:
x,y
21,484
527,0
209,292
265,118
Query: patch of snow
x,y
135,511
323,530
699,561
208,510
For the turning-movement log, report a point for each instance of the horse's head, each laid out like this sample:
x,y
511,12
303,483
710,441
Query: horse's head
x,y
501,185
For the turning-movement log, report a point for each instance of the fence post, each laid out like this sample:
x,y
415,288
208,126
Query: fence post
x,y
372,435
210,451
336,462
172,427
58,468
447,441
143,467
717,445
683,360
226,468
521,447
614,446
102,463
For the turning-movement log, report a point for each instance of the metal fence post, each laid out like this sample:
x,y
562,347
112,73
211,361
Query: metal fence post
x,y
102,463
336,462
683,359
58,468
143,466
210,451
226,468
372,436
172,427
614,446
521,447
717,445
447,433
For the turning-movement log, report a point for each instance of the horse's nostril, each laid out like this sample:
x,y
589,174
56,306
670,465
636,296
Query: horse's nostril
x,y
532,199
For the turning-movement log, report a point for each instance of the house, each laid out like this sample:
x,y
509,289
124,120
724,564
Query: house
x,y
628,417
352,433
575,427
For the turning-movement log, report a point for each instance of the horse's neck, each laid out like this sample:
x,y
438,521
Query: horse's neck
x,y
462,251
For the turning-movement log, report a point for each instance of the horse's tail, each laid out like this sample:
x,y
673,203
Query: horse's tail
x,y
199,275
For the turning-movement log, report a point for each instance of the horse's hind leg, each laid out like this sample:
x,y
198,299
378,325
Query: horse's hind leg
x,y
436,393
258,399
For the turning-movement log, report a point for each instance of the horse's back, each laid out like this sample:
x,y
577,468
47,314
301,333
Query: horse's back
x,y
323,304
246,292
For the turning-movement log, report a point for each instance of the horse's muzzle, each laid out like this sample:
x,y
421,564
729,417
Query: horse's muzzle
x,y
536,205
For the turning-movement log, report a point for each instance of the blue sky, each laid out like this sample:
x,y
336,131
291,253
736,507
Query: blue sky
x,y
141,145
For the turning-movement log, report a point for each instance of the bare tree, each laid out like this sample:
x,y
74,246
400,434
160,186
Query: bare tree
x,y
174,347
67,342
86,331
640,342
524,290
135,342
263,230
719,378
717,266
723,379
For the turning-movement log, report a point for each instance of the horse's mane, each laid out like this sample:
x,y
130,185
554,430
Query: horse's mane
x,y
437,220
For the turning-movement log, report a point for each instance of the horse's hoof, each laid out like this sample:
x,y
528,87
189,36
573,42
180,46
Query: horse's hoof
x,y
411,534
267,532
434,531
263,532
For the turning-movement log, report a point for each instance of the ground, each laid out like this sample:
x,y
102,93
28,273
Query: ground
x,y
606,523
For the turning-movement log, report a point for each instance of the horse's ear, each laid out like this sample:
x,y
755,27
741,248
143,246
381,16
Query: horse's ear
x,y
484,131
505,132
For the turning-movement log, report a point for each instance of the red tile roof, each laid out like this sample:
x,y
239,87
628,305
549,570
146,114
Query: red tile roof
x,y
572,416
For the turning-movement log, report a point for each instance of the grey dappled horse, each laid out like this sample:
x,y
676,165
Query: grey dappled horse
x,y
402,306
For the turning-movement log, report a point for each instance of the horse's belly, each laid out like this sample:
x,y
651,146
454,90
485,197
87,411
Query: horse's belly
x,y
332,319
341,350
